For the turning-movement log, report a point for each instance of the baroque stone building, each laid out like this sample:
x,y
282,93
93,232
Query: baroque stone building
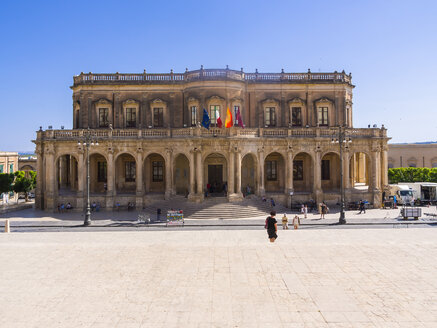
x,y
421,154
150,144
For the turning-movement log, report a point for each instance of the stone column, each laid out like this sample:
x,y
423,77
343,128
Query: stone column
x,y
346,173
39,195
192,173
81,173
317,188
238,171
261,190
199,174
231,170
376,190
50,173
168,175
384,167
289,173
139,180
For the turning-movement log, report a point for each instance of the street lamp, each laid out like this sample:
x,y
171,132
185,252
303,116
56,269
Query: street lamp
x,y
87,141
342,140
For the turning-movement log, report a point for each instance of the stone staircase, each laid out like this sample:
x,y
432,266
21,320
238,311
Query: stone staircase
x,y
216,208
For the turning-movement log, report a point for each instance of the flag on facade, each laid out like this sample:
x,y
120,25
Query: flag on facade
x,y
206,122
228,121
219,122
238,119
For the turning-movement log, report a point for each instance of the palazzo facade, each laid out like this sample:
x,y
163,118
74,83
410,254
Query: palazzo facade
x,y
147,142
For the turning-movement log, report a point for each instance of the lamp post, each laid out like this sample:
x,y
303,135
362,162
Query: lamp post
x,y
87,141
341,139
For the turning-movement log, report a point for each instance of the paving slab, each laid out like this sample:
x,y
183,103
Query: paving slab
x,y
308,278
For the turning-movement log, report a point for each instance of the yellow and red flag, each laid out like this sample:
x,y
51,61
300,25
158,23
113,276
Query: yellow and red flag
x,y
228,122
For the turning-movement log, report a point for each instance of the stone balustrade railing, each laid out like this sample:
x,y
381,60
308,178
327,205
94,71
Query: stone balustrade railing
x,y
211,74
235,132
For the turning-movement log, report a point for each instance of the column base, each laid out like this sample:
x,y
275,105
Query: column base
x,y
196,198
318,196
167,195
236,197
139,202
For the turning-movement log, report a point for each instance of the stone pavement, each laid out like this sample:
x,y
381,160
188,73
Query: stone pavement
x,y
308,278
32,217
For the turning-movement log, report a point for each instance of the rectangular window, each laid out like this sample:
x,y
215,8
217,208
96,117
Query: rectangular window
x,y
326,172
214,114
270,116
323,116
236,108
297,170
1,168
101,171
157,171
11,168
103,117
131,117
158,117
296,116
193,111
130,171
271,170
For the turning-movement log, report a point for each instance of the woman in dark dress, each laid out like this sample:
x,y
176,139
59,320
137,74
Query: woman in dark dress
x,y
272,227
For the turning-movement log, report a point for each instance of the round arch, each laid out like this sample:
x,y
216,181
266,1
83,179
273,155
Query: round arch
x,y
330,171
154,172
303,172
215,172
274,172
66,173
249,169
125,173
360,170
181,174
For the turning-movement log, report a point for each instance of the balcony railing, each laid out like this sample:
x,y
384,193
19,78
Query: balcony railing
x,y
211,74
194,132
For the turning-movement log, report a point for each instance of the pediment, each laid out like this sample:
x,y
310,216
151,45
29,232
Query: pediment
x,y
270,100
215,97
103,101
324,100
158,101
130,102
296,100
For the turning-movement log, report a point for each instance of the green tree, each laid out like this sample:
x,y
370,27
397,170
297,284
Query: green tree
x,y
6,181
23,184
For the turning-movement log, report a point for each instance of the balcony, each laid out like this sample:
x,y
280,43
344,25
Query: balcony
x,y
211,75
196,132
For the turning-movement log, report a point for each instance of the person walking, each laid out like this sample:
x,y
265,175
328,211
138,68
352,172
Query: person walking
x,y
362,207
302,209
324,210
305,212
272,202
296,222
284,222
272,227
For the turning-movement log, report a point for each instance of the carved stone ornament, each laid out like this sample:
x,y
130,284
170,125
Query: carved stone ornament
x,y
324,100
192,100
270,100
158,101
218,98
296,100
130,102
103,101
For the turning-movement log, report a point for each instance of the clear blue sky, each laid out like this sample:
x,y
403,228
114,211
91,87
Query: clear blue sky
x,y
389,46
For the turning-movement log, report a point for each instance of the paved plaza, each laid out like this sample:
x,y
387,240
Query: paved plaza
x,y
308,278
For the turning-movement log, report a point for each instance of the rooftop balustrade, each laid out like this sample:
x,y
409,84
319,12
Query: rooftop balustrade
x,y
193,132
211,74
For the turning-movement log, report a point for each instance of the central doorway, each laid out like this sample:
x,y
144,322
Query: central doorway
x,y
215,178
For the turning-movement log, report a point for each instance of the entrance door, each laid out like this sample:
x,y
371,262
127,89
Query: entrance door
x,y
215,177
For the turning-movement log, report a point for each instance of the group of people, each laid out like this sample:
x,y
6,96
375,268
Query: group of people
x,y
271,225
214,188
95,206
62,207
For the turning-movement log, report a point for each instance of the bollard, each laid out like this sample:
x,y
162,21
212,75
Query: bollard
x,y
7,230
